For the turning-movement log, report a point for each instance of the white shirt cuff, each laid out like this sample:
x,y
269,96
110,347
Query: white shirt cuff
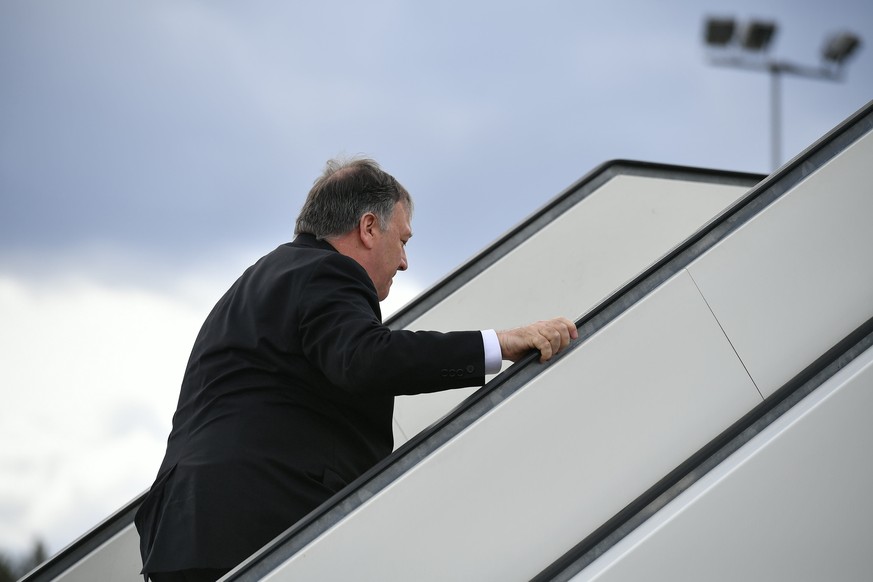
x,y
493,355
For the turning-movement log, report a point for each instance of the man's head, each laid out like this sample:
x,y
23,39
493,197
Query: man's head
x,y
365,214
346,190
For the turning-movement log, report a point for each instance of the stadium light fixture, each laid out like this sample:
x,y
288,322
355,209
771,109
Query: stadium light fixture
x,y
757,35
840,47
741,45
719,31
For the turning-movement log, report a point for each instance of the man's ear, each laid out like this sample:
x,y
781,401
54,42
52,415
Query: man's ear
x,y
367,227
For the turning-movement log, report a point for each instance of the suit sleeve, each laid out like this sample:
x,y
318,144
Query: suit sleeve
x,y
341,334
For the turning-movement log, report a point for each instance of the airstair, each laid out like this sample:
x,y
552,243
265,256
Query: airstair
x,y
722,323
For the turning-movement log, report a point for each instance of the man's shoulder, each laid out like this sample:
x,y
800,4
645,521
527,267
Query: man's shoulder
x,y
323,254
315,257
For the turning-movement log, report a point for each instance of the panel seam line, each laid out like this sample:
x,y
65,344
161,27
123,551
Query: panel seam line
x,y
708,306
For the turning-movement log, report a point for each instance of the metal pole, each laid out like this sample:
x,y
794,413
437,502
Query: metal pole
x,y
775,115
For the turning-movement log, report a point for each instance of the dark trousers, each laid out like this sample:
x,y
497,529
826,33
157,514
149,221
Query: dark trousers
x,y
194,575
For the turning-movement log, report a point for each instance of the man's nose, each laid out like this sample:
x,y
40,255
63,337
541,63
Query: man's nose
x,y
404,263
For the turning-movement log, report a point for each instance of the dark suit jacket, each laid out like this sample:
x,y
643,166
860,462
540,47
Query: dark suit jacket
x,y
287,397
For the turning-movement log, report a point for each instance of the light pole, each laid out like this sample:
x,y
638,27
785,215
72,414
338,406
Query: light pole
x,y
745,46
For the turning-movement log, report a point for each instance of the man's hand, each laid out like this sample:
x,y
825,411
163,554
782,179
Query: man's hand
x,y
549,337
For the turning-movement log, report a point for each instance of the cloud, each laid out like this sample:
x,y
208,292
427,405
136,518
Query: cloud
x,y
89,380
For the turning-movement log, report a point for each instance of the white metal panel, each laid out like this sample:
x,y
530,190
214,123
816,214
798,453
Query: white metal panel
x,y
117,559
798,277
569,266
552,462
792,504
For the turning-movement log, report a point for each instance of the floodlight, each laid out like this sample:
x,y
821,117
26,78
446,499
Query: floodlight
x,y
757,35
719,31
742,40
840,47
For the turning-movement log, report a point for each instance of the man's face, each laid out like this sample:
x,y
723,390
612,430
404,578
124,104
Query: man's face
x,y
390,250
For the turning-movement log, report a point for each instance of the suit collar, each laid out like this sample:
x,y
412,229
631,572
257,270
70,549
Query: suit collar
x,y
309,241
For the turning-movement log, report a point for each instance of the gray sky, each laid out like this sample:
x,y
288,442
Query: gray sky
x,y
149,151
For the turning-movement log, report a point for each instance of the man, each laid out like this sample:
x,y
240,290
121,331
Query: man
x,y
289,391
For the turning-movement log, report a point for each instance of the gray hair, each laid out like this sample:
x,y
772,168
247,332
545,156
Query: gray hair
x,y
346,190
